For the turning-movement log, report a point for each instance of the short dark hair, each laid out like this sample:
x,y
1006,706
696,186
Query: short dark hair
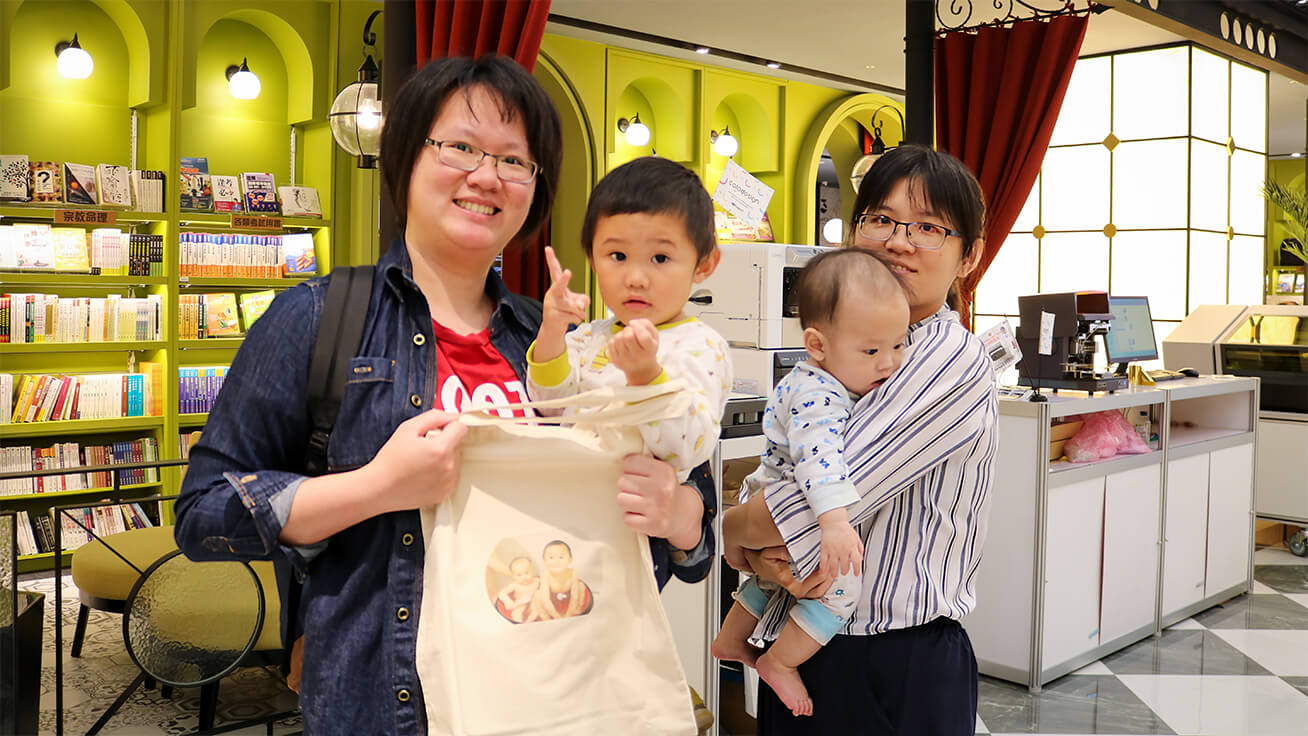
x,y
518,96
556,543
846,271
656,186
938,178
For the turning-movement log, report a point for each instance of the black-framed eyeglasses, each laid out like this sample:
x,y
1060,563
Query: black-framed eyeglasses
x,y
926,235
467,157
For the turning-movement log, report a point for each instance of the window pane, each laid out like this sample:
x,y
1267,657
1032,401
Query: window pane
x,y
1248,208
1074,194
1151,93
1014,273
1249,107
1207,269
1029,217
1151,263
1208,171
1073,262
1083,118
1162,330
1210,108
1149,184
1246,284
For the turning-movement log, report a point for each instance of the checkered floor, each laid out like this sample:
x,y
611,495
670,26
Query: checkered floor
x,y
1238,669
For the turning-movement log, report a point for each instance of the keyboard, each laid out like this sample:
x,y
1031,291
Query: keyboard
x,y
1164,375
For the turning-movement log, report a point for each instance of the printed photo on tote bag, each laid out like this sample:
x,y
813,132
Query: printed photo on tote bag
x,y
540,613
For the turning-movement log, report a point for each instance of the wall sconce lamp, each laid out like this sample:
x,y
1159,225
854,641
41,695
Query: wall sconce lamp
x,y
877,148
636,132
242,82
724,143
73,61
356,114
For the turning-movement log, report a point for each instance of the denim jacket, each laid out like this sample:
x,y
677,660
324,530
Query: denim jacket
x,y
362,587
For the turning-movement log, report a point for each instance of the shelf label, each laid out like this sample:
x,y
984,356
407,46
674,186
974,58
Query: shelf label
x,y
257,222
85,217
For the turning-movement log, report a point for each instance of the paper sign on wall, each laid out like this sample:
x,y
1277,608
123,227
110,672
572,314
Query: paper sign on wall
x,y
1001,346
1046,333
741,194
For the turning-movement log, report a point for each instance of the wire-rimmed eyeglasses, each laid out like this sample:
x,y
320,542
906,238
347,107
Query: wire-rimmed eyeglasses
x,y
467,157
926,235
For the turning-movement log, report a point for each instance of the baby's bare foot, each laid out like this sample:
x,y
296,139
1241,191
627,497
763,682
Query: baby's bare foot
x,y
735,651
786,683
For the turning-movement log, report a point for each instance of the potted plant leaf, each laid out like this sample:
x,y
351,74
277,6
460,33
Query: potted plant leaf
x,y
1293,203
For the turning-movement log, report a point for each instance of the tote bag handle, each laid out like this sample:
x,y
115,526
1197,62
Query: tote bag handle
x,y
612,405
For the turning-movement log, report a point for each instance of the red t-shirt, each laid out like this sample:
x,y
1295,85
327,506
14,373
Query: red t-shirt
x,y
464,361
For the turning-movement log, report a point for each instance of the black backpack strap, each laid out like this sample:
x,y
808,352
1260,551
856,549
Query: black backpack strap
x,y
339,332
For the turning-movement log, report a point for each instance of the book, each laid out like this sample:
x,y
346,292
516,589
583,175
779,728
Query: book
x,y
220,315
226,193
147,190
300,259
114,185
197,192
70,252
35,246
46,182
260,192
79,184
253,305
300,201
14,175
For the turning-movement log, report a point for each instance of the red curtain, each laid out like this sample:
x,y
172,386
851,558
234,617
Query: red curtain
x,y
510,28
998,93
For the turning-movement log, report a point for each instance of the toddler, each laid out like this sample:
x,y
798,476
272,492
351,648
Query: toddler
x,y
855,319
649,236
515,599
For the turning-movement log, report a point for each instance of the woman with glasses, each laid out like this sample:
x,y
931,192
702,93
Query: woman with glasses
x,y
920,449
471,152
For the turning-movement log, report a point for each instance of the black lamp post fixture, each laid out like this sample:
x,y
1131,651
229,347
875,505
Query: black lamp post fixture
x,y
356,114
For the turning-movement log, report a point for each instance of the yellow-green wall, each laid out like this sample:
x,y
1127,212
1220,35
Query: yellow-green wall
x,y
1289,173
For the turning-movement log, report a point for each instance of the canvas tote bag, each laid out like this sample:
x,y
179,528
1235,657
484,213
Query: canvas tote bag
x,y
540,613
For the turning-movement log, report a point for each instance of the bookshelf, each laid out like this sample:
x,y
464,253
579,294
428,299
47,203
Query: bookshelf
x,y
158,93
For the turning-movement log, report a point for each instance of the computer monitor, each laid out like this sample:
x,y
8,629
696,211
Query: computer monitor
x,y
1130,336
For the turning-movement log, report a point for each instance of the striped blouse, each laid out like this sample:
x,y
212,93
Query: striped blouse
x,y
920,449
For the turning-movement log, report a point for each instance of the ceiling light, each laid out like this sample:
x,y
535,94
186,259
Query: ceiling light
x,y
242,82
74,62
724,143
636,132
702,50
773,65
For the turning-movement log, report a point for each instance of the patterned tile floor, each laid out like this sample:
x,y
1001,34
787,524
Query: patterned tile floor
x,y
1238,669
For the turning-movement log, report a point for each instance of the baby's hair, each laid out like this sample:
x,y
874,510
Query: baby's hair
x,y
557,543
848,271
522,558
654,186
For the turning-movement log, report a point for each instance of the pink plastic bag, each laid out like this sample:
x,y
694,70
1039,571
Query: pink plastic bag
x,y
1103,435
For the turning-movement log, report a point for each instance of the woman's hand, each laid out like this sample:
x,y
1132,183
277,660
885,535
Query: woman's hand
x,y
773,564
419,464
655,504
561,307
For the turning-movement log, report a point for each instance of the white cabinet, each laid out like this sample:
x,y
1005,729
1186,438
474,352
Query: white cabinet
x,y
1075,532
1283,468
1185,547
1132,505
1230,487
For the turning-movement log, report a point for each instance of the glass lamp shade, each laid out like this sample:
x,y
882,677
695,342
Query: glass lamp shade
x,y
726,145
860,170
637,134
356,120
75,63
834,231
244,85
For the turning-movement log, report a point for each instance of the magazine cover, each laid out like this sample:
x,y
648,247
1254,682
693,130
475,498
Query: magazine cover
x,y
79,184
197,194
226,193
115,189
300,257
260,193
46,182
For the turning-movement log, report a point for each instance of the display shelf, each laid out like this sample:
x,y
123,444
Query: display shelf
x,y
37,278
223,221
80,427
211,343
192,420
211,282
84,492
1062,472
80,347
1069,403
42,561
1183,436
47,212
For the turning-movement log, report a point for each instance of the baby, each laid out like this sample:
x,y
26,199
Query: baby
x,y
650,238
855,319
515,599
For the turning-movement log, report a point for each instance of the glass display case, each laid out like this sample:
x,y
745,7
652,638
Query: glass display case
x,y
1271,342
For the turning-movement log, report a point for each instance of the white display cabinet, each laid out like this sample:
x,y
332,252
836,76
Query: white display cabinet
x,y
1084,559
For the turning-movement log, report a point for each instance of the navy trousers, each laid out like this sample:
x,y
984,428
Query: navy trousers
x,y
911,682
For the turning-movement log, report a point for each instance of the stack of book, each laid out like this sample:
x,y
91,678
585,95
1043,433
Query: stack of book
x,y
102,185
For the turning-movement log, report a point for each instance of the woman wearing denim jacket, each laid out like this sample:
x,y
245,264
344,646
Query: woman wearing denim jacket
x,y
471,153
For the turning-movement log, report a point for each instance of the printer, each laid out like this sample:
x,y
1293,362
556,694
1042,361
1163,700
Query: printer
x,y
751,301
